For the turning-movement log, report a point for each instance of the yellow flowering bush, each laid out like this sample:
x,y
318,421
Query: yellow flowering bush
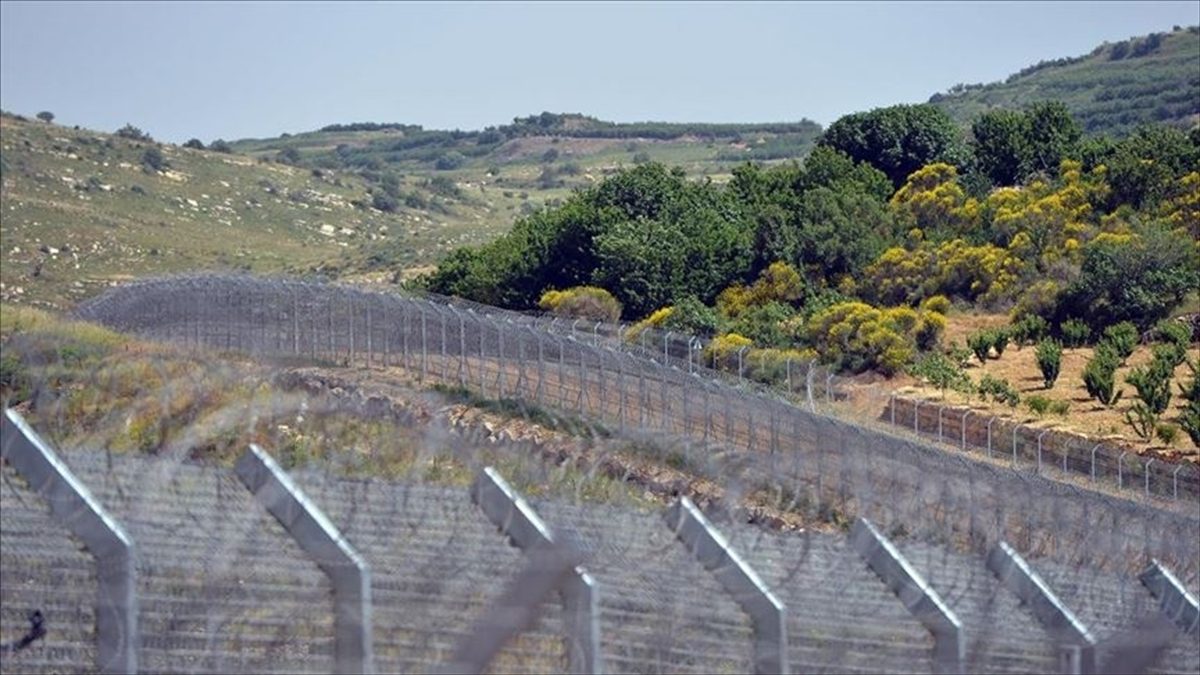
x,y
780,282
932,199
856,336
582,302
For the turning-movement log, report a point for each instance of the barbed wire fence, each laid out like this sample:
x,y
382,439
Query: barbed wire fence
x,y
154,431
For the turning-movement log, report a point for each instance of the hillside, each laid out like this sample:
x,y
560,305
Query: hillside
x,y
1152,78
83,209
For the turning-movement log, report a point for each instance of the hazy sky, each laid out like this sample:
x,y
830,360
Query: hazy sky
x,y
233,70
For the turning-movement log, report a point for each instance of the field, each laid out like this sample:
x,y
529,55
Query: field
x,y
1085,416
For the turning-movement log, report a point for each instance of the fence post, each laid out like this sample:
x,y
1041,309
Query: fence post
x,y
989,435
741,375
424,348
1175,482
1146,474
1094,449
348,572
1016,428
892,407
1039,449
514,516
767,613
916,415
917,595
370,343
1173,598
963,424
941,409
1120,473
75,508
1078,647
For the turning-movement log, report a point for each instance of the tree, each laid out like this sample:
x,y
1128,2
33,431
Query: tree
x,y
133,133
220,145
897,140
1049,360
1001,139
1051,136
1143,168
1138,279
46,116
194,144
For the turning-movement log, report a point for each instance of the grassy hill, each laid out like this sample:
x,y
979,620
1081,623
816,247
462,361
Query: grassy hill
x,y
82,209
1152,78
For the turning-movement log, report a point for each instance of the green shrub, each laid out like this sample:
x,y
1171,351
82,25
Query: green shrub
x,y
1123,337
1049,360
1060,408
1190,418
1075,333
1142,420
1000,341
1175,333
941,372
980,343
1099,375
998,390
1038,404
958,354
1028,330
1167,433
692,317
1153,385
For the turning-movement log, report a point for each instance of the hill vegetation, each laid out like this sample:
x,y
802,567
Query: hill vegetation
x,y
1112,90
849,259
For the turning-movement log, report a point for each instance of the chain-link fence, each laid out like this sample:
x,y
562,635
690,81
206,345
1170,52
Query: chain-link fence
x,y
599,434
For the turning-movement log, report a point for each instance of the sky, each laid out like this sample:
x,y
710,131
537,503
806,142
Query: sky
x,y
236,70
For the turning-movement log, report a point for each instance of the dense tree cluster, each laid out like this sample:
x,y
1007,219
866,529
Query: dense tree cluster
x,y
855,255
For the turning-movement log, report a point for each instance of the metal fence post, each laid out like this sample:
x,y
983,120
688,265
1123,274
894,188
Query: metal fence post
x,y
1146,474
918,596
989,435
1120,473
916,415
1039,449
514,516
963,424
1016,428
1077,645
767,613
1094,449
74,506
1175,482
348,572
1173,598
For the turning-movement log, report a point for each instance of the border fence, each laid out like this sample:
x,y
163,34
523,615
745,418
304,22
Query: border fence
x,y
926,609
825,464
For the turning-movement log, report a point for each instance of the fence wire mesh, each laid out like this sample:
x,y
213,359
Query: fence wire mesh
x,y
384,407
